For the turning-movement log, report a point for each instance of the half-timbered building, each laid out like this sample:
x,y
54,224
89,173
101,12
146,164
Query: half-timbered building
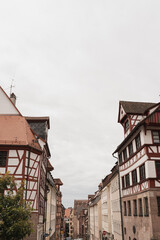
x,y
139,167
24,153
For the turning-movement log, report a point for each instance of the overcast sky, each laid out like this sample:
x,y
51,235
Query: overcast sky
x,y
73,60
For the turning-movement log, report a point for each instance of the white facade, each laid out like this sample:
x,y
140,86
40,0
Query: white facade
x,y
115,209
51,211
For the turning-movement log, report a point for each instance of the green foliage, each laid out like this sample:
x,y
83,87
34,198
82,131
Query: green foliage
x,y
15,212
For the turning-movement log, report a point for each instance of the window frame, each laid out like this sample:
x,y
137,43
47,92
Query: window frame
x,y
130,149
129,208
158,205
127,180
126,125
125,208
125,155
142,172
134,177
157,169
138,142
135,207
123,182
146,207
120,158
154,136
3,161
140,206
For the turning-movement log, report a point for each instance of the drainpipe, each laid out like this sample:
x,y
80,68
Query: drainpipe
x,y
120,199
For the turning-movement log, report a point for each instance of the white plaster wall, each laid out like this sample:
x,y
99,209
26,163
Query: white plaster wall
x,y
6,106
150,169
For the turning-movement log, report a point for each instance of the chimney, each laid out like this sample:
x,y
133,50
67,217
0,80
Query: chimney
x,y
13,98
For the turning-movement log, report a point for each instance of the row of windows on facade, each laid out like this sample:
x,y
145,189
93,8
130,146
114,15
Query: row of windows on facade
x,y
141,210
123,156
142,175
128,151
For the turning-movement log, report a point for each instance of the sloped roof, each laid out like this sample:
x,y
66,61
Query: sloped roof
x,y
68,212
14,130
136,107
58,181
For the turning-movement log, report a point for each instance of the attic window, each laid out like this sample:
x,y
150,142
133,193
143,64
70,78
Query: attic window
x,y
126,126
3,158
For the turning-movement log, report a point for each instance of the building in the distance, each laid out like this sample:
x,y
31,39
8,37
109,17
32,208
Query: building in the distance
x,y
78,227
139,166
59,213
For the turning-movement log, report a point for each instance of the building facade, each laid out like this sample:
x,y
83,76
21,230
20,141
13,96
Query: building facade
x,y
139,166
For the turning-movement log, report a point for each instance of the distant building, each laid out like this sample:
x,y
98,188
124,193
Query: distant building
x,y
78,227
71,219
139,166
60,211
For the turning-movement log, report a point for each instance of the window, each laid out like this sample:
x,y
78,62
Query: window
x,y
129,208
134,176
123,183
142,172
125,209
130,148
140,207
135,207
138,142
158,205
127,180
156,136
146,209
158,169
3,158
125,154
126,126
120,158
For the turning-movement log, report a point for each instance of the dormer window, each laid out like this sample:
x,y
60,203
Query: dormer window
x,y
126,126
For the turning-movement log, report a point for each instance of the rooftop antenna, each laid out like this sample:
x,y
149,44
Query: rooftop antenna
x,y
11,86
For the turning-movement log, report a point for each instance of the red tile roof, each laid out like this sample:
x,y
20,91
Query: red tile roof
x,y
14,130
58,181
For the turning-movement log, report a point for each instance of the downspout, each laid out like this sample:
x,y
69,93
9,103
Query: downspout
x,y
27,175
120,199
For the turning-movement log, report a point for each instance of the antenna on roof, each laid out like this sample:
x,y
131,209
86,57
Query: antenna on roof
x,y
11,86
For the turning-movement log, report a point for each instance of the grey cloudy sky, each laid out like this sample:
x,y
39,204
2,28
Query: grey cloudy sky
x,y
73,60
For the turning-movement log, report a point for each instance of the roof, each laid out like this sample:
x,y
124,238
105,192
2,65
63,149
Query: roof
x,y
39,119
67,212
50,167
14,130
58,181
136,107
79,205
135,129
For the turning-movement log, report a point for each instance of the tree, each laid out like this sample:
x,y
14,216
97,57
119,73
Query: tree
x,y
15,212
